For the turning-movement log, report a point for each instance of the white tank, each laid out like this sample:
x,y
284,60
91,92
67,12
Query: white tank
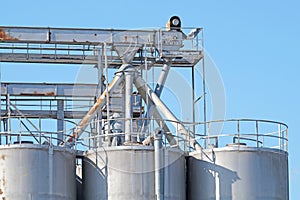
x,y
127,172
238,172
37,172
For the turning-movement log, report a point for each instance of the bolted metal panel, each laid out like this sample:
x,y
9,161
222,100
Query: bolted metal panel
x,y
237,173
127,172
37,172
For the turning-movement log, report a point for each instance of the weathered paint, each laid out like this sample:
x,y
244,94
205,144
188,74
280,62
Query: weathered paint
x,y
127,172
6,36
238,172
25,172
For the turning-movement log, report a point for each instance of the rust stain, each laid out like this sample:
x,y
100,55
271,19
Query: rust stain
x,y
3,157
3,181
35,93
50,94
1,192
3,198
3,178
5,36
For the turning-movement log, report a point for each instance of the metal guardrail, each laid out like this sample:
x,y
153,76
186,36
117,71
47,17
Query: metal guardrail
x,y
67,45
220,133
101,133
19,131
250,132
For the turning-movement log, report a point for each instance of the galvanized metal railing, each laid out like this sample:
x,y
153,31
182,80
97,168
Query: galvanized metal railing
x,y
20,130
250,132
220,133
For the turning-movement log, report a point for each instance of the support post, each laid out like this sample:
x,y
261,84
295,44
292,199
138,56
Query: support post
x,y
8,138
60,121
97,141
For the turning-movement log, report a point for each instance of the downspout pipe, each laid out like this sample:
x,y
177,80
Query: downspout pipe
x,y
159,87
159,165
162,78
129,73
152,111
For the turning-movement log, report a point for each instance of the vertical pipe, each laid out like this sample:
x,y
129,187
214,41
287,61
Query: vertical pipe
x,y
8,118
287,140
166,184
0,103
19,137
193,102
257,133
279,136
239,131
60,121
129,74
217,182
107,92
97,140
40,128
51,172
158,162
204,85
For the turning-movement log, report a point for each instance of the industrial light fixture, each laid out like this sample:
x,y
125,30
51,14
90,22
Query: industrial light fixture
x,y
174,23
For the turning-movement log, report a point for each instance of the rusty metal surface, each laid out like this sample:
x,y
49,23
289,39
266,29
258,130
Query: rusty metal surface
x,y
171,44
48,89
75,36
4,36
22,34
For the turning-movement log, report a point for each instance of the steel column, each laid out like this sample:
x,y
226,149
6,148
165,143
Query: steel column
x,y
60,121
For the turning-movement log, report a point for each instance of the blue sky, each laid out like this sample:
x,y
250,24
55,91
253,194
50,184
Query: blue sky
x,y
255,45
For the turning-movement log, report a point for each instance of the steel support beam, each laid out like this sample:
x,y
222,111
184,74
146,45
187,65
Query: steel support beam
x,y
60,121
80,128
143,88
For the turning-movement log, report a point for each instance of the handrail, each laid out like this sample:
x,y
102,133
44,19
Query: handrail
x,y
263,133
35,135
257,136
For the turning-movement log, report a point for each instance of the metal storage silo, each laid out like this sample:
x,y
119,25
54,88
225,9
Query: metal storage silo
x,y
37,172
239,171
127,172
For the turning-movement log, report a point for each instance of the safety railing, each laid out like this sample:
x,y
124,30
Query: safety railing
x,y
21,130
57,45
185,135
245,132
103,133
